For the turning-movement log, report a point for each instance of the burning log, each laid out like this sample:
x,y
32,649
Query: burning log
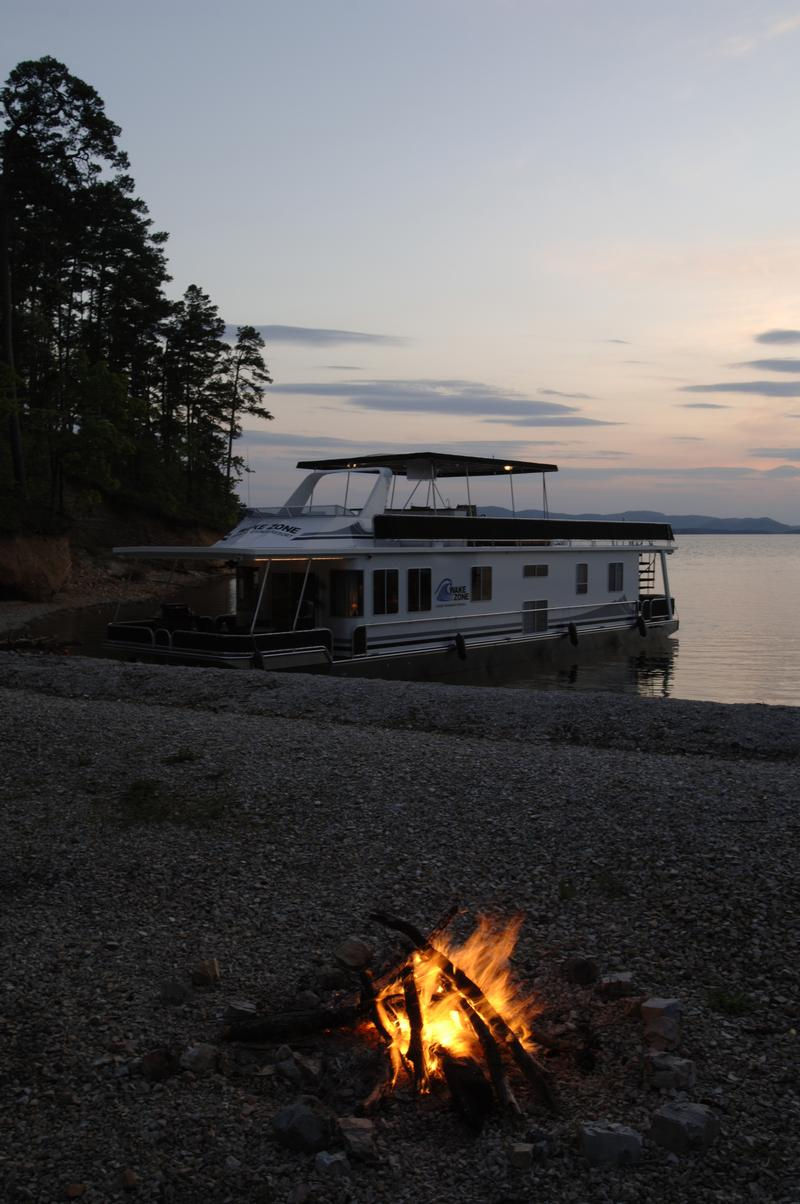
x,y
491,1052
503,1034
415,1052
433,1020
370,1002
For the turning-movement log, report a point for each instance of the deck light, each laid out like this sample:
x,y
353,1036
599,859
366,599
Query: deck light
x,y
508,467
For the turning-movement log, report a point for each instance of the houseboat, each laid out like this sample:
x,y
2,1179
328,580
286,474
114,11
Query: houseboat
x,y
395,579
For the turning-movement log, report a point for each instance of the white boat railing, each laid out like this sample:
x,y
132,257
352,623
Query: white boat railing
x,y
457,616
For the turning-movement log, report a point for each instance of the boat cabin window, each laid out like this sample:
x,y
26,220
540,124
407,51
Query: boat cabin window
x,y
482,583
419,589
535,570
347,593
614,576
385,591
581,578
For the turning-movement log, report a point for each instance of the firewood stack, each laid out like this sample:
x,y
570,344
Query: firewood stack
x,y
442,1028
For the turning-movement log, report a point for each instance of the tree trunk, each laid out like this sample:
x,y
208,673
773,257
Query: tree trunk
x,y
7,349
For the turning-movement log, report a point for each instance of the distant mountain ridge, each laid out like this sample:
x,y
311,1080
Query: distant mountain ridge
x,y
682,524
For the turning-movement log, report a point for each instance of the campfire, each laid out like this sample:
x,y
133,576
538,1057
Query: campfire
x,y
447,1016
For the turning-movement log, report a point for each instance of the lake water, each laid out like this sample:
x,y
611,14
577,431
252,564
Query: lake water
x,y
739,641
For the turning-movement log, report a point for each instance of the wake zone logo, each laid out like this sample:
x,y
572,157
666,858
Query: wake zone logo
x,y
448,594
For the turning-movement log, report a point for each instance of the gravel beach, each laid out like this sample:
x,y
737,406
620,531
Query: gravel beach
x,y
156,820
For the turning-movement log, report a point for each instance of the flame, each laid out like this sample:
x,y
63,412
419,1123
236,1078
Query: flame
x,y
483,957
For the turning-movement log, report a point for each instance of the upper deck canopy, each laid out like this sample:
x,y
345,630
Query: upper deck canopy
x,y
424,465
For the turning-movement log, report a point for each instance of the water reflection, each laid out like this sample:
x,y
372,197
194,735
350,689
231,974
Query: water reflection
x,y
647,676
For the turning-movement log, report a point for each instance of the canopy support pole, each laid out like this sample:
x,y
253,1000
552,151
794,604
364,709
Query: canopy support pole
x,y
260,596
302,595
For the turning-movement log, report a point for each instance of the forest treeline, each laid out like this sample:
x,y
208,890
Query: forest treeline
x,y
108,389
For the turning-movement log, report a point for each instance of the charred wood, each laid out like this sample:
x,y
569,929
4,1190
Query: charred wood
x,y
370,1004
415,1053
283,1026
472,1095
494,1062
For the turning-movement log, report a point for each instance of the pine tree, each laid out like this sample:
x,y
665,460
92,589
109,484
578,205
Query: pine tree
x,y
105,385
74,233
247,377
191,404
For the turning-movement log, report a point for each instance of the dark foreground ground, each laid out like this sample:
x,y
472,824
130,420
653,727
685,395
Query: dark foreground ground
x,y
153,818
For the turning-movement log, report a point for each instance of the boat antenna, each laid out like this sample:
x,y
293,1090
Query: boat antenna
x,y
545,506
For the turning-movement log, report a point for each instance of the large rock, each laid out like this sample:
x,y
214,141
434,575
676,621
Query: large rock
x,y
331,1166
683,1127
662,1022
581,971
306,1125
201,1058
355,953
604,1143
665,1070
358,1135
33,567
616,986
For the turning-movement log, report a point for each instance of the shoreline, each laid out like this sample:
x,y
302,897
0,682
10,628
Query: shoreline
x,y
91,588
156,816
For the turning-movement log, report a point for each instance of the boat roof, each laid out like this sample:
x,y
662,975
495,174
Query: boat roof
x,y
426,464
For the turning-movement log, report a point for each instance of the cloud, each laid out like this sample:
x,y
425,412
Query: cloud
x,y
433,397
777,365
274,438
568,396
320,337
777,453
566,420
762,388
702,405
509,448
342,367
783,470
778,336
710,472
625,342
738,46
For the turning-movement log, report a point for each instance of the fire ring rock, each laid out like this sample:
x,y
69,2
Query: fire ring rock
x,y
305,1126
355,953
604,1143
683,1127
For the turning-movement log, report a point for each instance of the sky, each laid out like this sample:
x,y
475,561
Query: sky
x,y
558,230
